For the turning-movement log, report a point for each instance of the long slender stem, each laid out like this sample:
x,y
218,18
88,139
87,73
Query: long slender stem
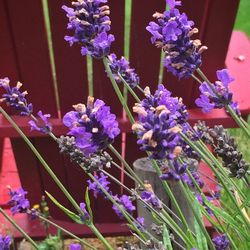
x,y
117,90
65,231
13,223
172,197
129,88
100,237
125,214
197,217
90,75
130,170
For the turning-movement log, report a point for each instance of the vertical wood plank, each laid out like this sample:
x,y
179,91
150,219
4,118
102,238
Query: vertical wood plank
x,y
28,30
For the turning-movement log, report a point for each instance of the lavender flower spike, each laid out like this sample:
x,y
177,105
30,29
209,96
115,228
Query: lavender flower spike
x,y
93,126
89,20
75,246
219,96
86,216
172,33
122,67
18,201
45,127
126,203
5,242
160,118
221,242
15,98
103,181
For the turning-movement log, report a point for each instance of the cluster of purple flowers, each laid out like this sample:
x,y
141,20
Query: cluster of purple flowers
x,y
15,98
218,95
18,202
175,173
126,203
221,242
172,33
5,242
160,118
122,67
89,21
93,126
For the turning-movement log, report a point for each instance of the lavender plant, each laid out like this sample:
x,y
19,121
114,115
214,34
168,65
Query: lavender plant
x,y
163,132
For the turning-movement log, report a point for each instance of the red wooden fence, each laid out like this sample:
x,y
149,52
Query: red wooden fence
x,y
24,56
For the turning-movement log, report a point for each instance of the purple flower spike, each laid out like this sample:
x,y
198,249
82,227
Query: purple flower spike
x,y
219,96
159,118
75,246
86,216
15,98
93,126
18,201
103,181
172,33
90,22
126,203
221,242
45,127
5,242
122,67
150,198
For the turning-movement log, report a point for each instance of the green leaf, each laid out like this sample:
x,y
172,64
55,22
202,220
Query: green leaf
x,y
231,221
166,238
69,213
201,239
87,200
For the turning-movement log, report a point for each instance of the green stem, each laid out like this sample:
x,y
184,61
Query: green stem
x,y
90,75
129,88
117,90
197,217
26,236
238,120
100,236
43,162
130,170
66,231
125,214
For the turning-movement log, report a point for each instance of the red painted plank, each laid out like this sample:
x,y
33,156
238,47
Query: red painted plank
x,y
27,26
240,46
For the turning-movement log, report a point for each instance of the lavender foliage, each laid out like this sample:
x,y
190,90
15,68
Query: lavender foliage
x,y
18,201
13,97
93,126
172,32
89,20
218,94
123,68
